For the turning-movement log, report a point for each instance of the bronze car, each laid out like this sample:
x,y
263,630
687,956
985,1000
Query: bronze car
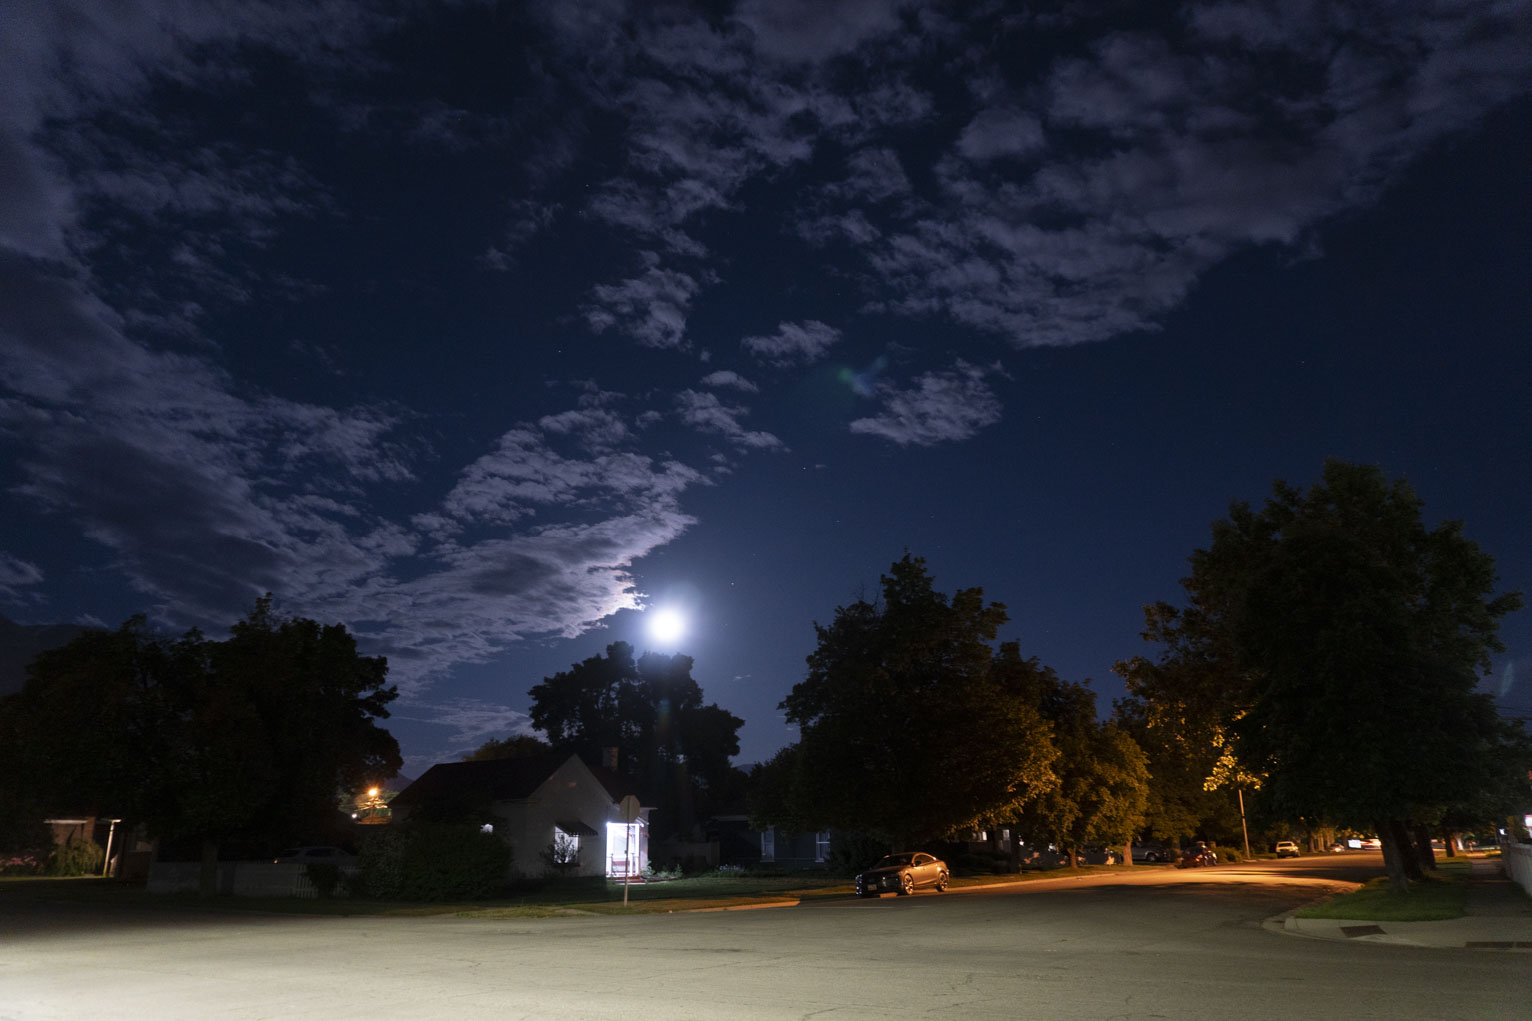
x,y
903,874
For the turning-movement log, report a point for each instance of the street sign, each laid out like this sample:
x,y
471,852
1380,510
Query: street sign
x,y
629,807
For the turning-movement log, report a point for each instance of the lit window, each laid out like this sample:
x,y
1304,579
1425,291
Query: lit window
x,y
769,844
822,845
566,847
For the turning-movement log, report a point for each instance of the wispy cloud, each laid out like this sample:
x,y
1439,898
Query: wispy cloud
x,y
651,308
793,343
941,407
728,379
706,413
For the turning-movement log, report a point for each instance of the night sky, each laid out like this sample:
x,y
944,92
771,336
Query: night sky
x,y
483,328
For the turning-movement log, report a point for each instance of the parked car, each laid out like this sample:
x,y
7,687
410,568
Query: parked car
x,y
1196,857
1371,843
903,874
1150,853
318,854
1102,856
1287,849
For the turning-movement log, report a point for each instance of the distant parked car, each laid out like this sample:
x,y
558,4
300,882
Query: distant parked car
x,y
1197,856
319,854
1102,856
903,874
1339,845
1371,843
1150,853
1287,849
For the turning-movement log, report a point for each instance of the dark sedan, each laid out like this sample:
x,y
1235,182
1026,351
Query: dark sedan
x,y
903,874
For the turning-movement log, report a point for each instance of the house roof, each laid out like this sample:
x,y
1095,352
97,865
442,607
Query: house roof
x,y
499,780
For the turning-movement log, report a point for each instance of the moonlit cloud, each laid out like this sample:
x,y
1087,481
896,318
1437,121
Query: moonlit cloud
x,y
793,343
282,308
17,575
725,378
942,407
705,412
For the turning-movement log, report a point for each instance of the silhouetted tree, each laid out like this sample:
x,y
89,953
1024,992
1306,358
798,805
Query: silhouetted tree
x,y
202,739
1340,642
906,732
517,746
650,710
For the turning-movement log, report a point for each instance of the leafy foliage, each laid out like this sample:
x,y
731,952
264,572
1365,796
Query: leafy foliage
x,y
907,731
76,857
433,862
517,746
198,738
1339,642
650,709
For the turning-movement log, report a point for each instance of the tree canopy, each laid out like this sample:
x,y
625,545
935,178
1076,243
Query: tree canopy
x,y
201,739
517,746
1338,641
907,730
650,710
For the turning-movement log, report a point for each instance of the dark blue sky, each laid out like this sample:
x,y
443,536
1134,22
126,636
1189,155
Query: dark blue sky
x,y
484,327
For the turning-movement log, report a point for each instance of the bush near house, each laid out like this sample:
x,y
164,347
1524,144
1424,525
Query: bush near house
x,y
433,861
75,858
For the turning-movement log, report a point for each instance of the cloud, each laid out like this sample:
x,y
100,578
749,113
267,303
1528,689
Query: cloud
x,y
651,308
470,722
1003,131
16,575
942,407
793,344
706,413
725,378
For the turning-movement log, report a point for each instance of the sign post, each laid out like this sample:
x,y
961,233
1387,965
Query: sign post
x,y
630,809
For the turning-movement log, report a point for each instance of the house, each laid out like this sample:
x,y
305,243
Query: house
x,y
551,808
741,844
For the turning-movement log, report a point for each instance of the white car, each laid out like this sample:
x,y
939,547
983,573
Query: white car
x,y
1287,849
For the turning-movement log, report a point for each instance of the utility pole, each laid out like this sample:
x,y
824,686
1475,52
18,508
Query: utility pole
x,y
1241,792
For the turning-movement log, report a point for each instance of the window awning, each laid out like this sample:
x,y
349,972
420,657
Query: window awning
x,y
574,827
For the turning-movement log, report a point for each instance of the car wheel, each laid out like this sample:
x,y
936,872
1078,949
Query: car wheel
x,y
906,884
941,882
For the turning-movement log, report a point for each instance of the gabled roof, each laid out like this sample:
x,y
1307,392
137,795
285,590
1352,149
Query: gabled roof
x,y
498,780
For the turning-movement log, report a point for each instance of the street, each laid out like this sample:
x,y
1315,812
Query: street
x,y
1149,944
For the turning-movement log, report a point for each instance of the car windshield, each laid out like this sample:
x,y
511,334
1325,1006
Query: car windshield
x,y
890,860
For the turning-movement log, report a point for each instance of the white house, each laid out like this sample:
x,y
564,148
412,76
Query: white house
x,y
537,804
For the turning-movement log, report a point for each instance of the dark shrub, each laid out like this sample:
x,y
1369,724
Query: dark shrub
x,y
433,861
325,876
850,853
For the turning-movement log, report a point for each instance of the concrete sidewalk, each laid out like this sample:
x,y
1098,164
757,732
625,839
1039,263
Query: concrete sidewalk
x,y
1499,917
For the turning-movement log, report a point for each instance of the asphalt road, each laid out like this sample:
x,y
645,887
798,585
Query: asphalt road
x,y
1153,944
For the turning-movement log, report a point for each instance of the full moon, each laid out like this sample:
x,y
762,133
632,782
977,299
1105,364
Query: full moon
x,y
666,626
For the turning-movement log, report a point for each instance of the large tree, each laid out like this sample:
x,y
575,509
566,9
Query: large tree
x,y
1103,781
199,739
1340,641
650,710
906,730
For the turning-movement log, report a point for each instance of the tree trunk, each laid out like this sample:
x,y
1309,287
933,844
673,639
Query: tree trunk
x,y
1127,852
1393,858
207,881
1408,859
1423,846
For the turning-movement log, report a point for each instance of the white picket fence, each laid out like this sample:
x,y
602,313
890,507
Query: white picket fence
x,y
239,878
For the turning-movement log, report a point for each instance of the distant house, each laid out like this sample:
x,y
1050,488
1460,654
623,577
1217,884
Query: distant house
x,y
539,804
740,844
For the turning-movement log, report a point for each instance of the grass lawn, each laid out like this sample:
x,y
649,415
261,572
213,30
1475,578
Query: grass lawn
x,y
1441,896
552,900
